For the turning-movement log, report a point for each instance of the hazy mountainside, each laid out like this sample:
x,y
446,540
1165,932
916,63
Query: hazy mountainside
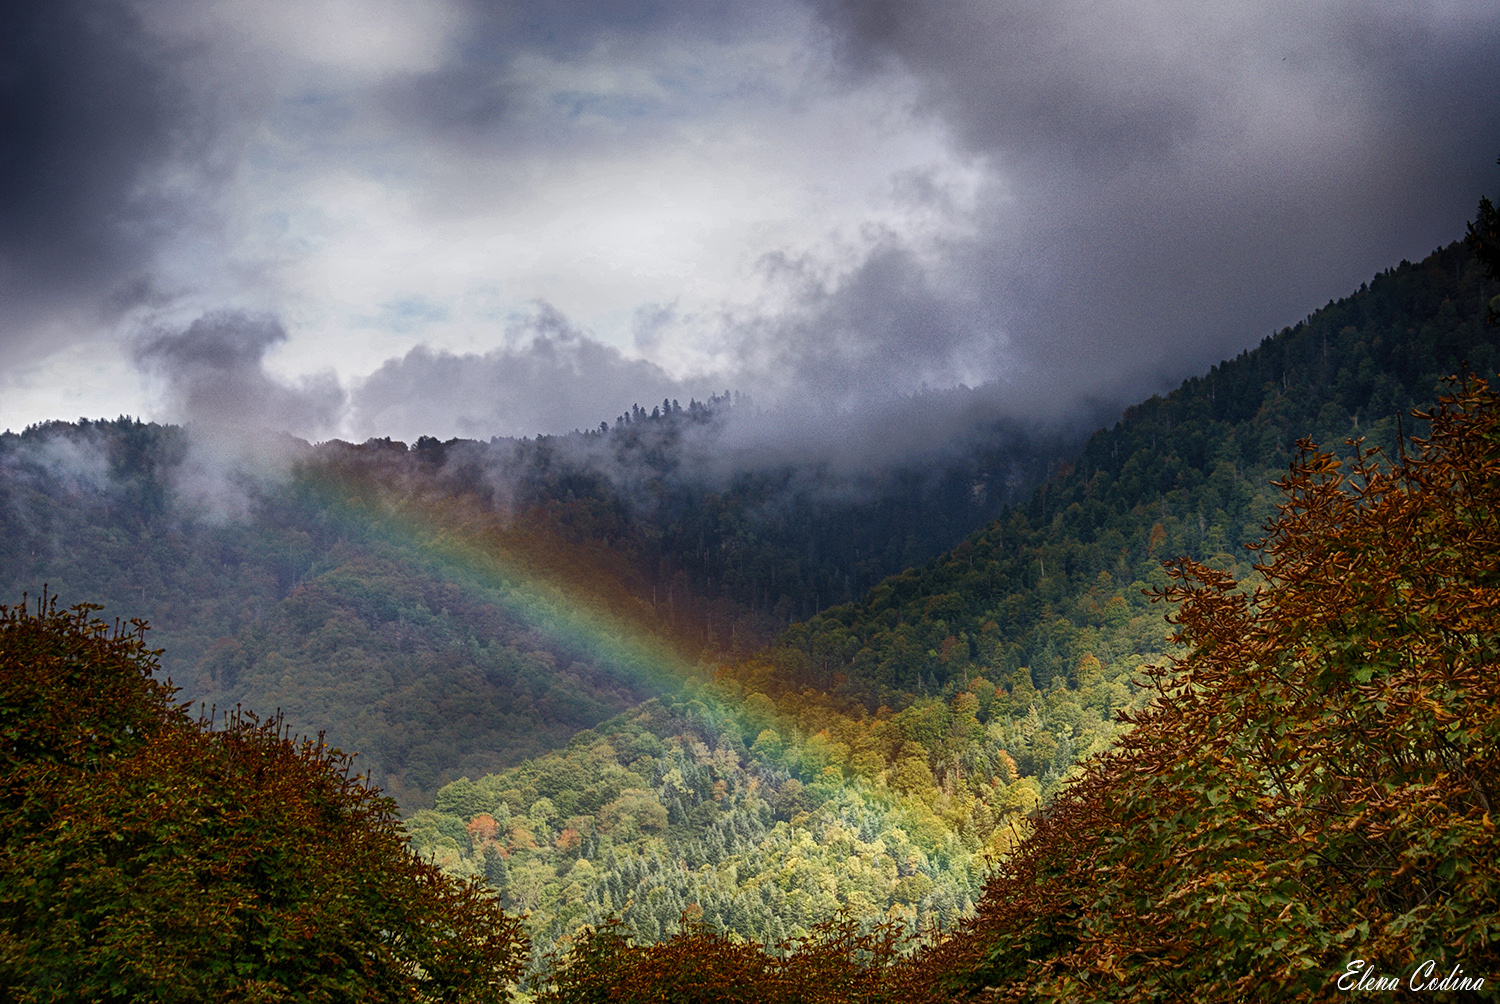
x,y
1025,599
1007,660
730,541
367,637
1308,809
448,609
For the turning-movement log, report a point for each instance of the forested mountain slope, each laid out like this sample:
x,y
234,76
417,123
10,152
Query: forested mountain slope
x,y
451,609
455,607
1185,474
1308,809
1304,813
908,733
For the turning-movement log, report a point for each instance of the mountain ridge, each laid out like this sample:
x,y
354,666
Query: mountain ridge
x,y
1006,673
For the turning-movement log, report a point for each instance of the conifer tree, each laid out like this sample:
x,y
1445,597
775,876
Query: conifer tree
x,y
1315,794
1483,239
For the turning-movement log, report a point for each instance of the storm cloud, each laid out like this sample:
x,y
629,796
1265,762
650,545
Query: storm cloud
x,y
213,375
1181,178
541,382
86,115
338,217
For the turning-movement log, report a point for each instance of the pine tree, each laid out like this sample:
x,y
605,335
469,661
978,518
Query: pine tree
x,y
1316,789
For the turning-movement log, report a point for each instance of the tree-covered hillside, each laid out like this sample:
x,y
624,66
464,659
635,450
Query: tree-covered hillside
x,y
449,609
752,820
1028,598
452,608
963,691
1309,811
1304,813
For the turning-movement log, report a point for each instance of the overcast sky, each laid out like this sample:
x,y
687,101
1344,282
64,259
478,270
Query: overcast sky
x,y
394,217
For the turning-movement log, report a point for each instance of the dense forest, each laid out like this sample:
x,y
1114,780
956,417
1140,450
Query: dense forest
x,y
558,670
1009,659
1306,804
452,608
1304,812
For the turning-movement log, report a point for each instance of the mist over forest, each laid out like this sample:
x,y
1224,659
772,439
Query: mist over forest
x,y
795,501
689,519
694,665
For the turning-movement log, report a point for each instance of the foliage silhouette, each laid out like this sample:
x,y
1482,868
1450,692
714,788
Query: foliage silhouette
x,y
1483,239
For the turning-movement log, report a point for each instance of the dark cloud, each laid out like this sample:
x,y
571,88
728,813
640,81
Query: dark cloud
x,y
836,408
471,101
1029,74
887,327
455,103
1178,179
566,27
550,378
86,112
214,376
1163,185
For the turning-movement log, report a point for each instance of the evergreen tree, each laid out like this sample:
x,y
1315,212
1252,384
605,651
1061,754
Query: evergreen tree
x,y
1484,240
1314,794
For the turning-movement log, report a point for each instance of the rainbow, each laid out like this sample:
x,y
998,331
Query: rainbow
x,y
576,595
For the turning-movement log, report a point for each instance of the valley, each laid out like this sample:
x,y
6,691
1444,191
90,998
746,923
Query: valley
x,y
610,685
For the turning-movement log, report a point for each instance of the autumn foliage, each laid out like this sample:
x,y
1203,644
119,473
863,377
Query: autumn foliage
x,y
1319,784
836,963
148,856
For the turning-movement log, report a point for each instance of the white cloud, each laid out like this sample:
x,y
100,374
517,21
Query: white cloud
x,y
633,173
91,379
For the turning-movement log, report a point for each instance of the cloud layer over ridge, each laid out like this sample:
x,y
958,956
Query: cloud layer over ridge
x,y
365,217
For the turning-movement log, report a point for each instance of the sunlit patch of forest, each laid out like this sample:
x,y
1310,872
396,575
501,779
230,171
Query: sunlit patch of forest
x,y
590,705
1010,657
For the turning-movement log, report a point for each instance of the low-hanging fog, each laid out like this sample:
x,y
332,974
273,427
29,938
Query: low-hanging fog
x,y
886,224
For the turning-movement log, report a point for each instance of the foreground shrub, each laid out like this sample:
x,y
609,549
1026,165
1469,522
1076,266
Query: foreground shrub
x,y
835,964
145,855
